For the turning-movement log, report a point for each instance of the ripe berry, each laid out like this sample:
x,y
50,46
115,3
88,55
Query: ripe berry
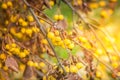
x,y
23,30
30,63
41,64
51,3
71,46
4,6
56,32
73,69
79,65
29,31
50,35
22,55
56,17
30,18
24,23
9,4
98,74
60,17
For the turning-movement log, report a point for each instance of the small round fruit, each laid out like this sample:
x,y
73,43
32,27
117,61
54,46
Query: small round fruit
x,y
79,65
60,17
42,64
50,35
73,69
51,3
56,17
30,18
24,23
9,4
30,63
71,46
4,6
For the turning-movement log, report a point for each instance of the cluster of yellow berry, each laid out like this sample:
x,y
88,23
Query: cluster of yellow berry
x,y
56,40
38,65
23,32
102,3
58,17
13,49
3,57
7,5
74,68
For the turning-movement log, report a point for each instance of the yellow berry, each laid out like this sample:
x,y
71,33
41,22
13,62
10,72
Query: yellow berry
x,y
44,78
118,74
102,3
73,69
115,65
51,3
79,65
4,6
104,14
19,35
22,55
23,30
67,69
7,46
30,18
20,20
82,39
29,32
22,67
60,17
42,64
26,51
42,21
56,32
93,5
6,22
51,78
57,38
79,2
17,51
24,23
9,4
50,35
35,64
2,56
44,41
67,41
56,17
13,45
30,63
13,30
71,46
13,18
5,68
98,74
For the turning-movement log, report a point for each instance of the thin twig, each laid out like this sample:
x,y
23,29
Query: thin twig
x,y
44,34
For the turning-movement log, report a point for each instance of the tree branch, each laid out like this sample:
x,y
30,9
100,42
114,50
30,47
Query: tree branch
x,y
44,34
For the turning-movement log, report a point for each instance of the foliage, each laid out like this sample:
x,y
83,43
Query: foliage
x,y
57,40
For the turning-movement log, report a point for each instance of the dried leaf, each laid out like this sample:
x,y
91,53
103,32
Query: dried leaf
x,y
73,77
11,63
28,73
4,75
62,24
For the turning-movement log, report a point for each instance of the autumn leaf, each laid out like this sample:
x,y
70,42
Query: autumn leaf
x,y
28,73
12,64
